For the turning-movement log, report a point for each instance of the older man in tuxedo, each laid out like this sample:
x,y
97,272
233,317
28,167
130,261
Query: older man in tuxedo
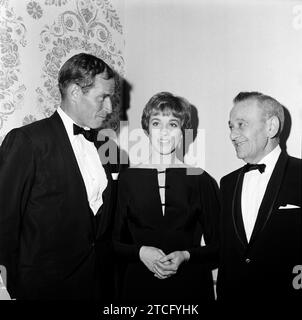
x,y
261,216
56,197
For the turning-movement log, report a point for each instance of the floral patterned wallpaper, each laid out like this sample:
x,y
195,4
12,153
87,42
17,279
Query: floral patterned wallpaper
x,y
37,37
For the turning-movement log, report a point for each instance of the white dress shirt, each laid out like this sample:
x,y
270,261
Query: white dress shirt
x,y
89,162
253,189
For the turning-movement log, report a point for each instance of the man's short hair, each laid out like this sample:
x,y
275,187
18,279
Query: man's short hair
x,y
81,69
269,106
167,103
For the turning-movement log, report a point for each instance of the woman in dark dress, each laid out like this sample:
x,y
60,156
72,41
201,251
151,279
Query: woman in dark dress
x,y
162,214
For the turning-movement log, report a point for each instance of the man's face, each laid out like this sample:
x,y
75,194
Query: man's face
x,y
164,132
249,131
94,106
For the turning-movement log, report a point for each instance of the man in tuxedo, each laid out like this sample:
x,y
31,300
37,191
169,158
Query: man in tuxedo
x,y
56,197
261,208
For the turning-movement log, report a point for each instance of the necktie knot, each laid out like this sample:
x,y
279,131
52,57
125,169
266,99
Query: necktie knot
x,y
248,167
90,135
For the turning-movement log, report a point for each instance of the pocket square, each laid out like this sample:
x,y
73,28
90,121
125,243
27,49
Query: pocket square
x,y
289,206
4,295
114,175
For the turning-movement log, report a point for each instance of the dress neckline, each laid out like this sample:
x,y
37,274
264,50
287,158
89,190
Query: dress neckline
x,y
190,171
154,169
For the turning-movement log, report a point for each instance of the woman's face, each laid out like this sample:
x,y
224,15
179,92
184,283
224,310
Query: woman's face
x,y
164,132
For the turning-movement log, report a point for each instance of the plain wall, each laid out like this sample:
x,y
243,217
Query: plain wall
x,y
207,52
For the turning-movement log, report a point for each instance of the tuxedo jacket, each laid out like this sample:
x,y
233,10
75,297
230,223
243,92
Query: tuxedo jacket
x,y
261,270
51,243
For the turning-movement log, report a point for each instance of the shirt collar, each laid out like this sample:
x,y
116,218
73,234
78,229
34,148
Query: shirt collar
x,y
68,123
271,159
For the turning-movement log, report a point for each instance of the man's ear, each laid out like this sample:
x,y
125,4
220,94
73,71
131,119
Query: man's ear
x,y
273,126
74,92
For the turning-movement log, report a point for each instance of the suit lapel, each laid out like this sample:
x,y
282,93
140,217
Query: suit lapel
x,y
270,196
72,170
67,151
236,210
102,219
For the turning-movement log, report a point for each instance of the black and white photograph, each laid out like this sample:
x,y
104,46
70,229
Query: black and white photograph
x,y
150,158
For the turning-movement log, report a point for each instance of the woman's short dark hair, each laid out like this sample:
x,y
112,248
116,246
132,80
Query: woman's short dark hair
x,y
81,69
167,103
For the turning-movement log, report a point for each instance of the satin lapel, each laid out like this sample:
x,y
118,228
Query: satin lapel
x,y
71,164
67,152
270,196
236,210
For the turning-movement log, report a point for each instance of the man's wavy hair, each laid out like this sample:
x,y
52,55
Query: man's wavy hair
x,y
81,69
269,106
167,103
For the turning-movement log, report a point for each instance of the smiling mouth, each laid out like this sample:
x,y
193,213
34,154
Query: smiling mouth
x,y
238,144
164,141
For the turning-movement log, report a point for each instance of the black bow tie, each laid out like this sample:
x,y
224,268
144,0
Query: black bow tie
x,y
90,135
249,167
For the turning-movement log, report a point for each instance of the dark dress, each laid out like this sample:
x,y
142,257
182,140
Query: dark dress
x,y
191,210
